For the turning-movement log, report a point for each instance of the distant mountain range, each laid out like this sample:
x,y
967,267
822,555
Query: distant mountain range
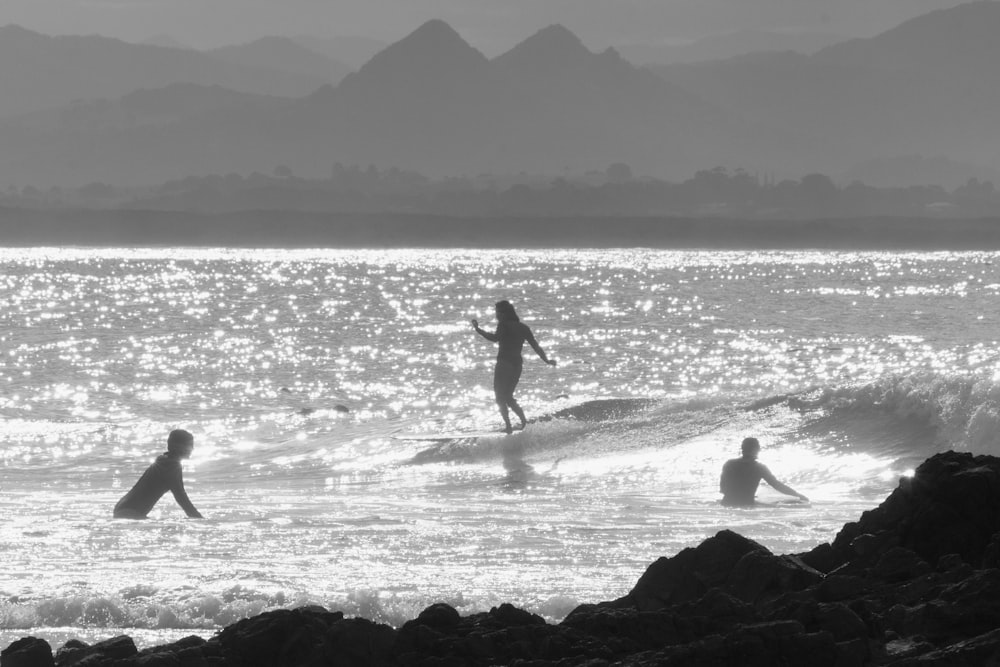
x,y
433,103
284,55
728,45
39,72
352,50
928,87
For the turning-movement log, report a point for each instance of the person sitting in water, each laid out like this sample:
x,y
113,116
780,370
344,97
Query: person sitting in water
x,y
740,477
163,475
511,333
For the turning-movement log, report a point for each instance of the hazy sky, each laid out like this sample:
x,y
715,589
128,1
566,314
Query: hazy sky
x,y
490,25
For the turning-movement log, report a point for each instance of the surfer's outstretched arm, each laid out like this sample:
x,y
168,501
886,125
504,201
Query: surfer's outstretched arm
x,y
778,486
181,496
530,337
492,337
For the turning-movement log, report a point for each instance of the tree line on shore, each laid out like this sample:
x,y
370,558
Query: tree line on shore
x,y
717,192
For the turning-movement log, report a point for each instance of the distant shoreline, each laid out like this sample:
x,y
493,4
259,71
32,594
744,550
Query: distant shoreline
x,y
296,229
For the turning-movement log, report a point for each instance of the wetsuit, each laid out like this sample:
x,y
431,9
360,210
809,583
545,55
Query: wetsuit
x,y
162,476
740,478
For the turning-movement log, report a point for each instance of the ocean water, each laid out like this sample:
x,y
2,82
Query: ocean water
x,y
302,373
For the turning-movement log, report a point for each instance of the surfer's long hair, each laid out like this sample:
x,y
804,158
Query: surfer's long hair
x,y
505,311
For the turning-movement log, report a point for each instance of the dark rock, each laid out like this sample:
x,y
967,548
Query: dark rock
x,y
822,558
899,564
991,557
837,587
27,652
980,651
507,615
79,653
896,649
759,575
691,573
282,637
719,605
190,651
951,505
353,641
437,616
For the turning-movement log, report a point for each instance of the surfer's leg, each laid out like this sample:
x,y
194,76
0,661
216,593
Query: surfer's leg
x,y
517,411
515,377
502,404
505,377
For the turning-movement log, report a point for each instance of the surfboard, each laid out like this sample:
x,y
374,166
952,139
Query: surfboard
x,y
453,435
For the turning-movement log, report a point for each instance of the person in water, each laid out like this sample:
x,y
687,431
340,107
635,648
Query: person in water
x,y
163,475
740,477
511,334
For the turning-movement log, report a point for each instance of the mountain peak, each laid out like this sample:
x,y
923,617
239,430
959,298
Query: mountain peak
x,y
433,45
435,29
432,62
432,57
557,34
555,44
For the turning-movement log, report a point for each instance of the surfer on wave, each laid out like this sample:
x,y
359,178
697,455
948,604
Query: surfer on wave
x,y
511,334
740,477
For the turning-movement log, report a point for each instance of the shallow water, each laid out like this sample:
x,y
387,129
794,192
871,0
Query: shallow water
x,y
850,367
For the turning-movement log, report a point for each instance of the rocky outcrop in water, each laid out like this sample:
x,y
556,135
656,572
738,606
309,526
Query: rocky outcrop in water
x,y
913,582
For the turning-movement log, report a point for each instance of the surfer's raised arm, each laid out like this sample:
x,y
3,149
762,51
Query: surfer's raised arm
x,y
492,337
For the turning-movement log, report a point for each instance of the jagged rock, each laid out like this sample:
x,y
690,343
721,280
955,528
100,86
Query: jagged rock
x,y
352,641
79,653
950,505
837,587
691,573
760,575
437,616
899,564
979,651
282,637
27,652
190,651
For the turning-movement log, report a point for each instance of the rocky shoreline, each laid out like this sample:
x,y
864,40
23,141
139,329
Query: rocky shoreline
x,y
915,581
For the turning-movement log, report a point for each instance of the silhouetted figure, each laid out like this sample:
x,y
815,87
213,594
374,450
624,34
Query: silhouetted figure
x,y
740,477
511,334
163,475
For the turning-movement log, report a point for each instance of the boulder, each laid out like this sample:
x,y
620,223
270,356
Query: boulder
x,y
28,652
77,652
950,505
282,637
691,573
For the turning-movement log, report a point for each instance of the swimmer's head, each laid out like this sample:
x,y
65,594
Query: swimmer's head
x,y
505,311
180,443
750,446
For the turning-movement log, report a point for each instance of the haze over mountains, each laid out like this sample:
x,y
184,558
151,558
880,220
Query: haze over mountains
x,y
728,45
433,103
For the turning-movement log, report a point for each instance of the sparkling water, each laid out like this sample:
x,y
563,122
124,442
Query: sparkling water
x,y
301,375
